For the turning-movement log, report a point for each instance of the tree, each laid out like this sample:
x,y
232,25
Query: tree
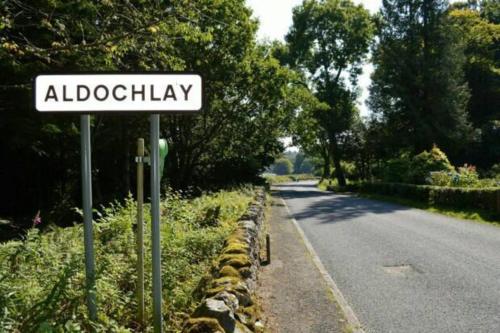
x,y
283,166
481,36
302,164
307,133
328,43
418,88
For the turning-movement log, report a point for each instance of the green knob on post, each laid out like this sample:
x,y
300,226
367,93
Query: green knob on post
x,y
163,154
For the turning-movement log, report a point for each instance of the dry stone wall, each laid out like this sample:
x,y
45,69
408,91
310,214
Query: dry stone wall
x,y
229,305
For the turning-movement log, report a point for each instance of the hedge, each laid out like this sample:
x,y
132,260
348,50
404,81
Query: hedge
x,y
456,197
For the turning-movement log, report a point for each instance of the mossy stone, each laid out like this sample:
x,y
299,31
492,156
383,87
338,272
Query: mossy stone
x,y
229,271
236,237
247,315
235,260
226,281
236,248
240,328
245,272
202,325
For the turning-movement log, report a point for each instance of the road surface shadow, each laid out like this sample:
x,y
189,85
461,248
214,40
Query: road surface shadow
x,y
295,191
332,208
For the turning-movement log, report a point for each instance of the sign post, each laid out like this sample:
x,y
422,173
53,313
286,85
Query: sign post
x,y
155,219
88,234
118,93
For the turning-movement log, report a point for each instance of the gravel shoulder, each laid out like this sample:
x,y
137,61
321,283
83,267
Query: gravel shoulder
x,y
292,292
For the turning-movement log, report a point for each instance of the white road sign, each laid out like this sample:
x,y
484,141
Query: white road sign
x,y
94,93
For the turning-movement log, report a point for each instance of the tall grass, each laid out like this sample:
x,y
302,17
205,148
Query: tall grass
x,y
42,278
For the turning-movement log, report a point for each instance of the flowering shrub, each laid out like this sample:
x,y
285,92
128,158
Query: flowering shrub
x,y
37,220
466,176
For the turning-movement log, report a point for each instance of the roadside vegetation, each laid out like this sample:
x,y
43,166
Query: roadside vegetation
x,y
433,132
42,280
230,142
435,82
479,215
272,179
429,181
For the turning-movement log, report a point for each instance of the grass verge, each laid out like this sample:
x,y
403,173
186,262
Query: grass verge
x,y
275,179
465,214
477,215
42,278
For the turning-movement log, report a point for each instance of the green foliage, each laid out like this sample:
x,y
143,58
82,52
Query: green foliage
x,y
397,169
466,176
231,141
42,277
302,164
307,133
482,199
328,43
282,166
418,90
426,162
480,33
350,170
494,172
274,179
441,178
416,169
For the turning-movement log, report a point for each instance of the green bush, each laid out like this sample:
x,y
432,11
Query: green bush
x,y
350,170
42,277
426,162
466,176
441,178
494,172
282,166
396,170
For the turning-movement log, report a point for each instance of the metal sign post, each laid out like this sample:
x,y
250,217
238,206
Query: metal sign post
x,y
153,92
87,215
155,220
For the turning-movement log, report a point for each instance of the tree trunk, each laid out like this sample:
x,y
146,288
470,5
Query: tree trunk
x,y
326,164
339,173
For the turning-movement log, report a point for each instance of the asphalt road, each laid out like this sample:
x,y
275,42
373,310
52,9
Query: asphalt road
x,y
403,269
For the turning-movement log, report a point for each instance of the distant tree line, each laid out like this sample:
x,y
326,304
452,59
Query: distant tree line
x,y
293,163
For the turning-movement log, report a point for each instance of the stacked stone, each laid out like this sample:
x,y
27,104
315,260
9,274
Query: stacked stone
x,y
229,305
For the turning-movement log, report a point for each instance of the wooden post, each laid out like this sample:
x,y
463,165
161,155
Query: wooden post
x,y
140,232
268,248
